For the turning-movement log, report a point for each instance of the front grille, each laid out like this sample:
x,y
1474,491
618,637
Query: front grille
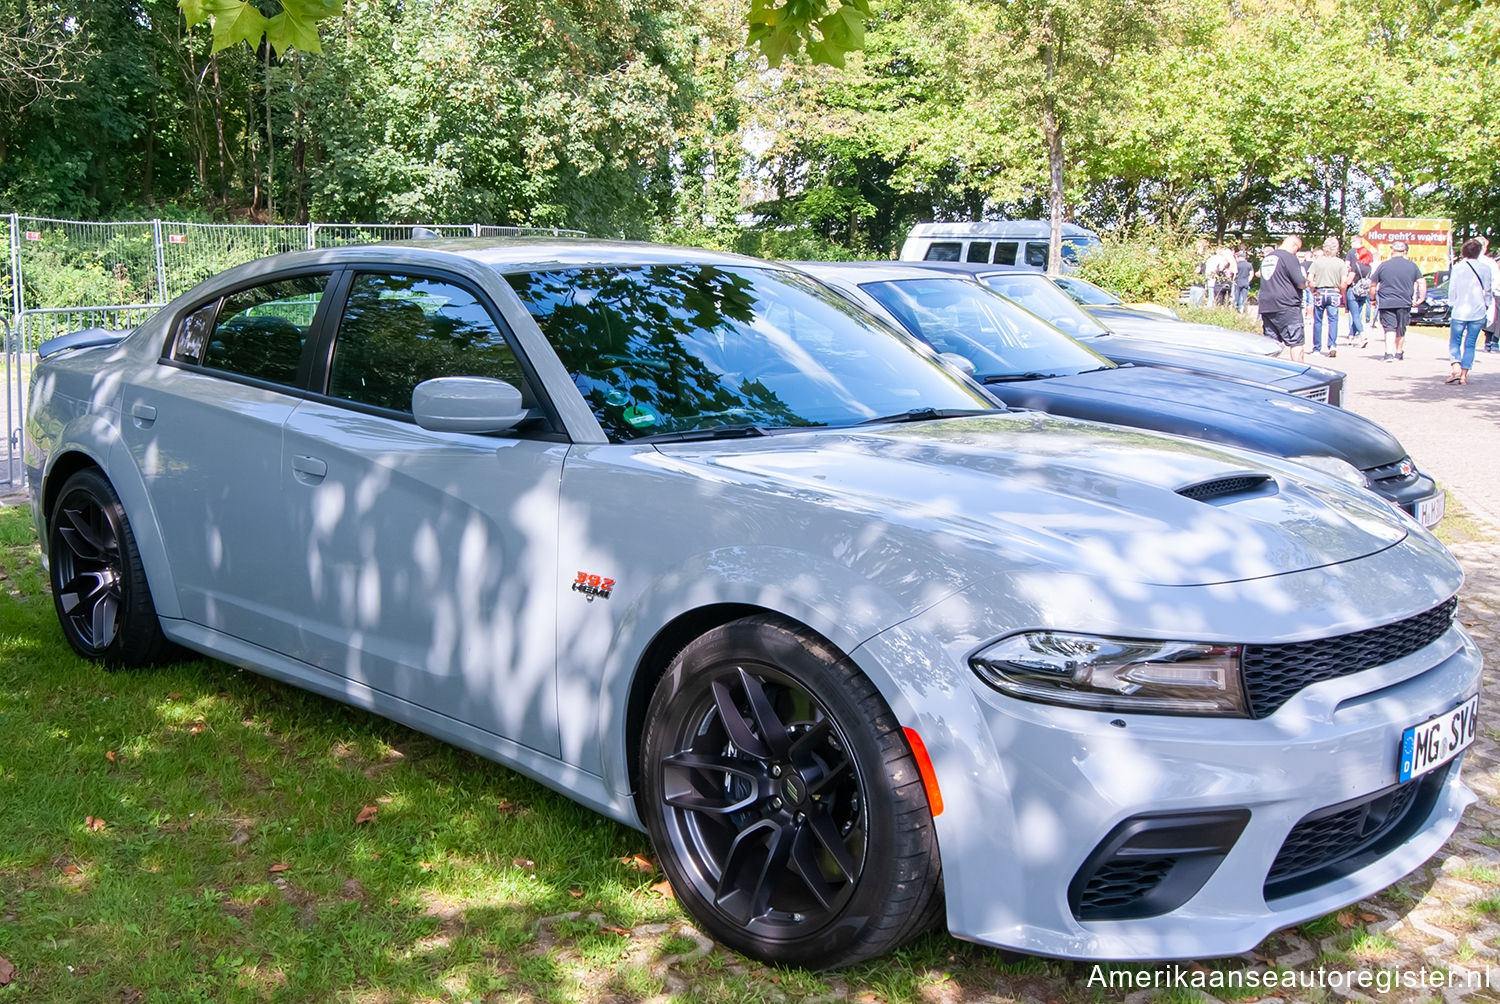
x,y
1398,473
1208,490
1274,674
1120,884
1343,838
1319,393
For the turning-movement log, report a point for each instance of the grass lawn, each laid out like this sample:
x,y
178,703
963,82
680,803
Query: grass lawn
x,y
198,833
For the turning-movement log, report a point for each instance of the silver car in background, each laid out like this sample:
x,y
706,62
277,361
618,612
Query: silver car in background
x,y
707,548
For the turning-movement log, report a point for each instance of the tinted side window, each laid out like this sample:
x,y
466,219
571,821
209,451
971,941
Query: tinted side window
x,y
978,251
259,333
398,330
1005,253
1036,255
944,252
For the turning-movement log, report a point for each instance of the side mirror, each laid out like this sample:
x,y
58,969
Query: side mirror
x,y
467,404
957,362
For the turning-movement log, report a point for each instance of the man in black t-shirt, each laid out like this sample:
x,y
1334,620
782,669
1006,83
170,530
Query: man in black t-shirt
x,y
1243,273
1281,284
1397,286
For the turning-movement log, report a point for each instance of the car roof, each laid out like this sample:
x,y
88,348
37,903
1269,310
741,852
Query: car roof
x,y
997,229
975,268
515,254
869,271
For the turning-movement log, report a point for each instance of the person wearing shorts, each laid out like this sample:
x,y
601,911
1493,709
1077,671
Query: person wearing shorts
x,y
1282,282
1397,286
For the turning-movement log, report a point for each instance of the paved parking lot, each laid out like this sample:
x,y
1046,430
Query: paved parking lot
x,y
1452,432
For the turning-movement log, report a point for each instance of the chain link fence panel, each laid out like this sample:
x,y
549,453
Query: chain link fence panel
x,y
192,252
69,263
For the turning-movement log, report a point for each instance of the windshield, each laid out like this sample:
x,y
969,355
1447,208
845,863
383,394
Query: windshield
x,y
1074,248
677,348
998,337
1040,295
1084,291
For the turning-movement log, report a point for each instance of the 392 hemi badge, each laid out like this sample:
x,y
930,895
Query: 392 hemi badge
x,y
593,585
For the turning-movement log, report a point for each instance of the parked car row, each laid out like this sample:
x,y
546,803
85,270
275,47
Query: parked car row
x,y
712,547
1028,363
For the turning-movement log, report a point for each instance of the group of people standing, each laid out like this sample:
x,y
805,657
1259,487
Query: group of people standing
x,y
1291,283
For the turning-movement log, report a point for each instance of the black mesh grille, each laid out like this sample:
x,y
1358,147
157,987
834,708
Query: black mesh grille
x,y
1224,486
1120,884
1275,673
1332,842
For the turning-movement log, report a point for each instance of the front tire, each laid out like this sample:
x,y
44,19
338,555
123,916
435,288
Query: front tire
x,y
98,583
783,801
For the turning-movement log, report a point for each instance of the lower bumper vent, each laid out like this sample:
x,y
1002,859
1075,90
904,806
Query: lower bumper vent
x,y
1152,864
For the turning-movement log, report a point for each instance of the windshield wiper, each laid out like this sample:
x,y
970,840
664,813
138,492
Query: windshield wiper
x,y
930,414
708,432
1008,377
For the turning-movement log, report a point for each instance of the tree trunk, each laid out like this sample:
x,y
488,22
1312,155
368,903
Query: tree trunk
x,y
270,147
1052,132
219,130
299,147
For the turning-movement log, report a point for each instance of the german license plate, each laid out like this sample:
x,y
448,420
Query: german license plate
x,y
1430,510
1438,740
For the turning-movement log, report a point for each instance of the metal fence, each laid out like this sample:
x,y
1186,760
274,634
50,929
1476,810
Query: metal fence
x,y
72,263
64,275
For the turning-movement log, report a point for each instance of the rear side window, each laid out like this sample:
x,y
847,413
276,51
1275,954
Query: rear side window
x,y
978,251
1005,253
945,251
1036,255
398,330
258,333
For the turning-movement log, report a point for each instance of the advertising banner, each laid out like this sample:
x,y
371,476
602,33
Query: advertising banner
x,y
1429,241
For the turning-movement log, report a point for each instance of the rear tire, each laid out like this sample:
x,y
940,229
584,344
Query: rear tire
x,y
784,804
98,583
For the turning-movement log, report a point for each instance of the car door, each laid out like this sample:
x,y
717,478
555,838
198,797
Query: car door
x,y
204,427
429,559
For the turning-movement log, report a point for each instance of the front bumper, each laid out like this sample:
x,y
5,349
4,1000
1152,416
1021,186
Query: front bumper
x,y
1033,798
1406,492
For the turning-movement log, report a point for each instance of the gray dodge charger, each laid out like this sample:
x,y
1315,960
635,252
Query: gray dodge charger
x,y
709,549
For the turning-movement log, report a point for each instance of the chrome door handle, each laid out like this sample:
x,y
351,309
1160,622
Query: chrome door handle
x,y
142,414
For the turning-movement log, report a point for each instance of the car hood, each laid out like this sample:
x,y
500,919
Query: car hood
x,y
1263,370
1123,321
1205,407
1072,496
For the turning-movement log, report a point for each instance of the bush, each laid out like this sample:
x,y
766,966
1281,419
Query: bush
x,y
1150,265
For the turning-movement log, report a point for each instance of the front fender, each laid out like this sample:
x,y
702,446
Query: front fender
x,y
827,597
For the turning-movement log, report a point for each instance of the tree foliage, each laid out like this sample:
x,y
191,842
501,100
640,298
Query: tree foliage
x,y
725,123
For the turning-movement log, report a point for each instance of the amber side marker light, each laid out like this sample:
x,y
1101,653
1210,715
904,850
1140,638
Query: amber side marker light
x,y
924,767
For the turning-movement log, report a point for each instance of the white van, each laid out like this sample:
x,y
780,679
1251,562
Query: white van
x,y
1002,242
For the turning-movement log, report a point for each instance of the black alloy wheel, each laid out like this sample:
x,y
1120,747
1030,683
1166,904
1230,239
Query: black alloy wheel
x,y
98,585
769,788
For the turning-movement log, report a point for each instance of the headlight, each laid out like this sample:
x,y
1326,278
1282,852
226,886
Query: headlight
x,y
1341,469
1115,674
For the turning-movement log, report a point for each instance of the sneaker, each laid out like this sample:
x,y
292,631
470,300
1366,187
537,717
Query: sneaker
x,y
1332,353
1388,358
1400,355
1364,343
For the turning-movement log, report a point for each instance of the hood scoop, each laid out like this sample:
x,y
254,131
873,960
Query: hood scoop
x,y
1221,491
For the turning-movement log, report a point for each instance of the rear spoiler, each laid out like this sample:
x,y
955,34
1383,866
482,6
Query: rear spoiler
x,y
86,339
